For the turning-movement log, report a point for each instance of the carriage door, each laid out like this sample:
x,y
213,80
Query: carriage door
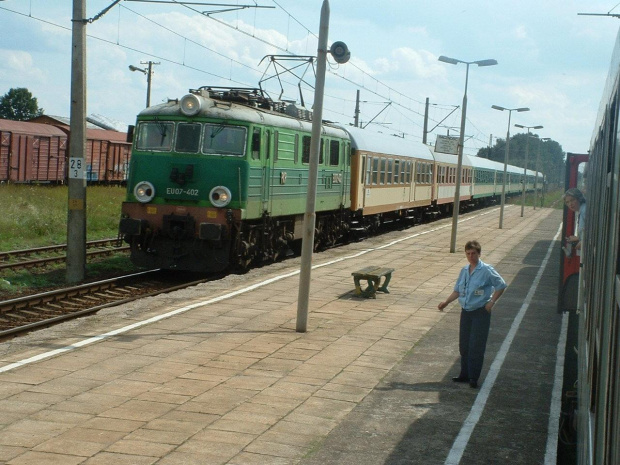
x,y
267,161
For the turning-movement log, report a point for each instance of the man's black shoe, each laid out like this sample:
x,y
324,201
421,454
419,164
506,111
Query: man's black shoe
x,y
473,383
460,379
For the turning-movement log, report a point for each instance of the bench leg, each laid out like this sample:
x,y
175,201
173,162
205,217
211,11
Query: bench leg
x,y
384,288
371,289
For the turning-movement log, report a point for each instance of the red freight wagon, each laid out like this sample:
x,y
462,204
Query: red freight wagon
x,y
107,156
107,151
31,152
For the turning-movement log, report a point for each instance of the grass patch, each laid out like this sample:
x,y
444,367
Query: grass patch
x,y
552,199
36,215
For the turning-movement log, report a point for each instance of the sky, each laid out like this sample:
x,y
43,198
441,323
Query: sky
x,y
550,59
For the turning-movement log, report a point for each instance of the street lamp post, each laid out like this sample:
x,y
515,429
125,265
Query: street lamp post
x,y
459,166
340,53
527,149
149,74
503,201
540,142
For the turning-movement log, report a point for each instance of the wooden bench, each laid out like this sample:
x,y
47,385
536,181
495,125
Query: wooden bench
x,y
373,275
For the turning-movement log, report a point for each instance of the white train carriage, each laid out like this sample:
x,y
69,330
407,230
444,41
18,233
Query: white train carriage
x,y
446,167
388,173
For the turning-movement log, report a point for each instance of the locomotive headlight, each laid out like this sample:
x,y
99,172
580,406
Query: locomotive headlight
x,y
144,191
190,105
220,196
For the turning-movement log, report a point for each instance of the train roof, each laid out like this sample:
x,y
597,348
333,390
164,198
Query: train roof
x,y
370,141
280,114
449,158
25,127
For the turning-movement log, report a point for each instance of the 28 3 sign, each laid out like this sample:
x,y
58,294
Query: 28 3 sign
x,y
76,168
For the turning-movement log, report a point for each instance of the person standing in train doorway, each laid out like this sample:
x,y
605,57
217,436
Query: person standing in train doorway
x,y
478,287
575,201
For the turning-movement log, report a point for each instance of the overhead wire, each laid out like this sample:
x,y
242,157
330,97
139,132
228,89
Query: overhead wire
x,y
395,103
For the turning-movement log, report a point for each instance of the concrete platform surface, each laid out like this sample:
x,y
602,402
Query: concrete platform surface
x,y
217,374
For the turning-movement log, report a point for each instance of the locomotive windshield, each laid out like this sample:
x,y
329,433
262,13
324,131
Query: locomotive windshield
x,y
217,139
224,140
155,136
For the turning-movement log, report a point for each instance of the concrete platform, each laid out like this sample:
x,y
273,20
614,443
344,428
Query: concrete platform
x,y
217,374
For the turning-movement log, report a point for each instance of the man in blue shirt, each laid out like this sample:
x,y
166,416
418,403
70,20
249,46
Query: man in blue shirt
x,y
478,287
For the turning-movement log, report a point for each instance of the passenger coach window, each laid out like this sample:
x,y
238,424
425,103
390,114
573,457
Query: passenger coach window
x,y
396,171
224,140
383,171
188,138
375,170
155,136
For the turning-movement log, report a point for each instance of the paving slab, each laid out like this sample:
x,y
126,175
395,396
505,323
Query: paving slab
x,y
227,379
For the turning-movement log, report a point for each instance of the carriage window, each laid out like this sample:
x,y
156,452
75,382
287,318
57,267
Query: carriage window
x,y
321,151
224,140
383,171
396,171
188,138
154,136
368,169
403,168
388,179
334,153
375,170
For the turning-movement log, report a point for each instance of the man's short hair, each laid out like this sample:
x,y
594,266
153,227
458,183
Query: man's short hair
x,y
473,245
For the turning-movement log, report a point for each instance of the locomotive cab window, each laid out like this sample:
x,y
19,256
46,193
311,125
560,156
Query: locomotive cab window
x,y
187,138
224,140
155,135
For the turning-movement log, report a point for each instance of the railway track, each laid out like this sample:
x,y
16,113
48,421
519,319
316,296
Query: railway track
x,y
24,314
19,259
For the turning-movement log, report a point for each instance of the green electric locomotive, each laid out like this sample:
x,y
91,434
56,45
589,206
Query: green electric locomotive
x,y
218,180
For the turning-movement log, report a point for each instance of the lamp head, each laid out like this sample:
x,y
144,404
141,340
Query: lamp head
x,y
497,107
452,61
489,62
135,68
522,109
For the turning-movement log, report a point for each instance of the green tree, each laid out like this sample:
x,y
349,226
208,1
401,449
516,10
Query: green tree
x,y
19,104
551,161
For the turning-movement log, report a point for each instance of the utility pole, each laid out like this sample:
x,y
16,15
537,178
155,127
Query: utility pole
x,y
76,169
425,133
149,75
357,109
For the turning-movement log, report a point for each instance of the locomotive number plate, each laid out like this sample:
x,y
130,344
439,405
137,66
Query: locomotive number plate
x,y
181,191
